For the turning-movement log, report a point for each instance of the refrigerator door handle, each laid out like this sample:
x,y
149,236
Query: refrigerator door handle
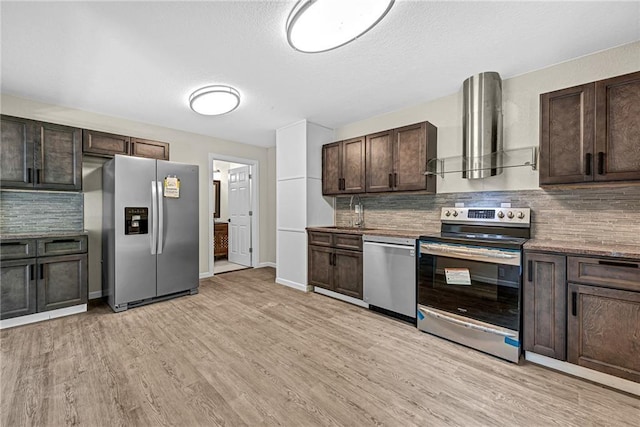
x,y
154,217
160,217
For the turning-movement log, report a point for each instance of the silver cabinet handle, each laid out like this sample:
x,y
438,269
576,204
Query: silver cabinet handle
x,y
154,217
466,324
160,217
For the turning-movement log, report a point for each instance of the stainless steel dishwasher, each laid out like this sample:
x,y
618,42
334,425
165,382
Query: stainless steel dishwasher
x,y
390,275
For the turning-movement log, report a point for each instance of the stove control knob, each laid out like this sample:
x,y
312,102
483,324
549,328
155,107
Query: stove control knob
x,y
500,214
448,213
510,214
520,215
455,213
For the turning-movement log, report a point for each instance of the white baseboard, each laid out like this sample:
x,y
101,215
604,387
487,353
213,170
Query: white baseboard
x,y
582,372
38,317
341,297
294,285
95,295
206,275
266,264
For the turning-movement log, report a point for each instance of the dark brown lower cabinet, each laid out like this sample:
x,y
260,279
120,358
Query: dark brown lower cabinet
x,y
17,288
544,303
603,330
51,274
62,281
335,262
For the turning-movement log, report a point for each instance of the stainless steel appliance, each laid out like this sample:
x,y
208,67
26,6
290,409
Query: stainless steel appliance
x,y
470,277
390,275
150,230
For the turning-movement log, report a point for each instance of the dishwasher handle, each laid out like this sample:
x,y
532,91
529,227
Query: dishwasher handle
x,y
411,249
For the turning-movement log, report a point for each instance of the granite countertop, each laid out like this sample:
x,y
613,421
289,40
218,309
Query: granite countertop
x,y
43,235
584,248
408,234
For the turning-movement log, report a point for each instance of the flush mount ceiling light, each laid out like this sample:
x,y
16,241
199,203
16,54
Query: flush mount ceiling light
x,y
214,100
320,25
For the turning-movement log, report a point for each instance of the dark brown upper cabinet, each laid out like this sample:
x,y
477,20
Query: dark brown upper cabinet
x,y
396,159
590,133
40,155
150,149
343,167
103,144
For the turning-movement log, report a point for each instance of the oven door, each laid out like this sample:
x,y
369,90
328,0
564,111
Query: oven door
x,y
472,281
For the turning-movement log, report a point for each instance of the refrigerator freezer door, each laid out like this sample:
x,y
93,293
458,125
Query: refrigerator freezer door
x,y
135,265
178,256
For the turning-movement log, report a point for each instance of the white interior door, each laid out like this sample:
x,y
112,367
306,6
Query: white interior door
x,y
239,199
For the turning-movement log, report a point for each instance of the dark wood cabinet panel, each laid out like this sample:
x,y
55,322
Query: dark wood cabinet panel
x,y
414,145
221,239
150,149
62,281
343,167
590,133
17,288
62,245
617,143
604,330
566,135
348,273
17,249
544,303
379,163
608,273
353,165
105,144
58,157
335,262
16,161
320,266
331,168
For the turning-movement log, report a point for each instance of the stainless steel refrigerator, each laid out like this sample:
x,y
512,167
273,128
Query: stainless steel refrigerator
x,y
150,231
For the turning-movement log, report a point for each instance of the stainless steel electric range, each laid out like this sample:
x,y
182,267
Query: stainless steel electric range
x,y
470,279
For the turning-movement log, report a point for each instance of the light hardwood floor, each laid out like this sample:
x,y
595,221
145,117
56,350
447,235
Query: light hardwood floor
x,y
246,351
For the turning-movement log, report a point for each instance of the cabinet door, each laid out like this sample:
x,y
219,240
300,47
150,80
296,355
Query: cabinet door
x,y
58,157
379,163
347,274
62,281
17,288
150,149
104,144
618,128
320,266
604,330
410,155
545,304
566,135
16,161
331,173
353,165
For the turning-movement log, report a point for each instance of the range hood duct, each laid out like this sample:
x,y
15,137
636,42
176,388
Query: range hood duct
x,y
482,126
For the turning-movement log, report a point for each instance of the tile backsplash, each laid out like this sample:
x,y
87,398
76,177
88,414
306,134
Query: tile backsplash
x,y
589,214
39,211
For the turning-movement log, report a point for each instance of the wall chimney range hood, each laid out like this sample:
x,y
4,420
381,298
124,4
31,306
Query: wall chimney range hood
x,y
482,148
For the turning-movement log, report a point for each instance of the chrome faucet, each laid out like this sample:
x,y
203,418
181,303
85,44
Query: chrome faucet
x,y
358,210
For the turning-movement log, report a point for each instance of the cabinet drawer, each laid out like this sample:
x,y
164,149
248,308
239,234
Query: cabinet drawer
x,y
16,249
62,245
320,238
604,272
348,241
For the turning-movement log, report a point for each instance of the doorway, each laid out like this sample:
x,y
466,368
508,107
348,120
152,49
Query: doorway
x,y
234,231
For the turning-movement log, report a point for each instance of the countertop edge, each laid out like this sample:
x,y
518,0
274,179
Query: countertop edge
x,y
585,248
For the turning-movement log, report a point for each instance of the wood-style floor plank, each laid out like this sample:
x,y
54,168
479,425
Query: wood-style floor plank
x,y
246,351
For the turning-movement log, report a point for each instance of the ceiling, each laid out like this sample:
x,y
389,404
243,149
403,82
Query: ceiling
x,y
141,60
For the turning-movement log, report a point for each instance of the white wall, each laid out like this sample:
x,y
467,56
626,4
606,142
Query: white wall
x,y
520,99
185,147
299,197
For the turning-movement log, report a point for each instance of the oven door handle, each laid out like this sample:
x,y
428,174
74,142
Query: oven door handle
x,y
466,324
485,255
